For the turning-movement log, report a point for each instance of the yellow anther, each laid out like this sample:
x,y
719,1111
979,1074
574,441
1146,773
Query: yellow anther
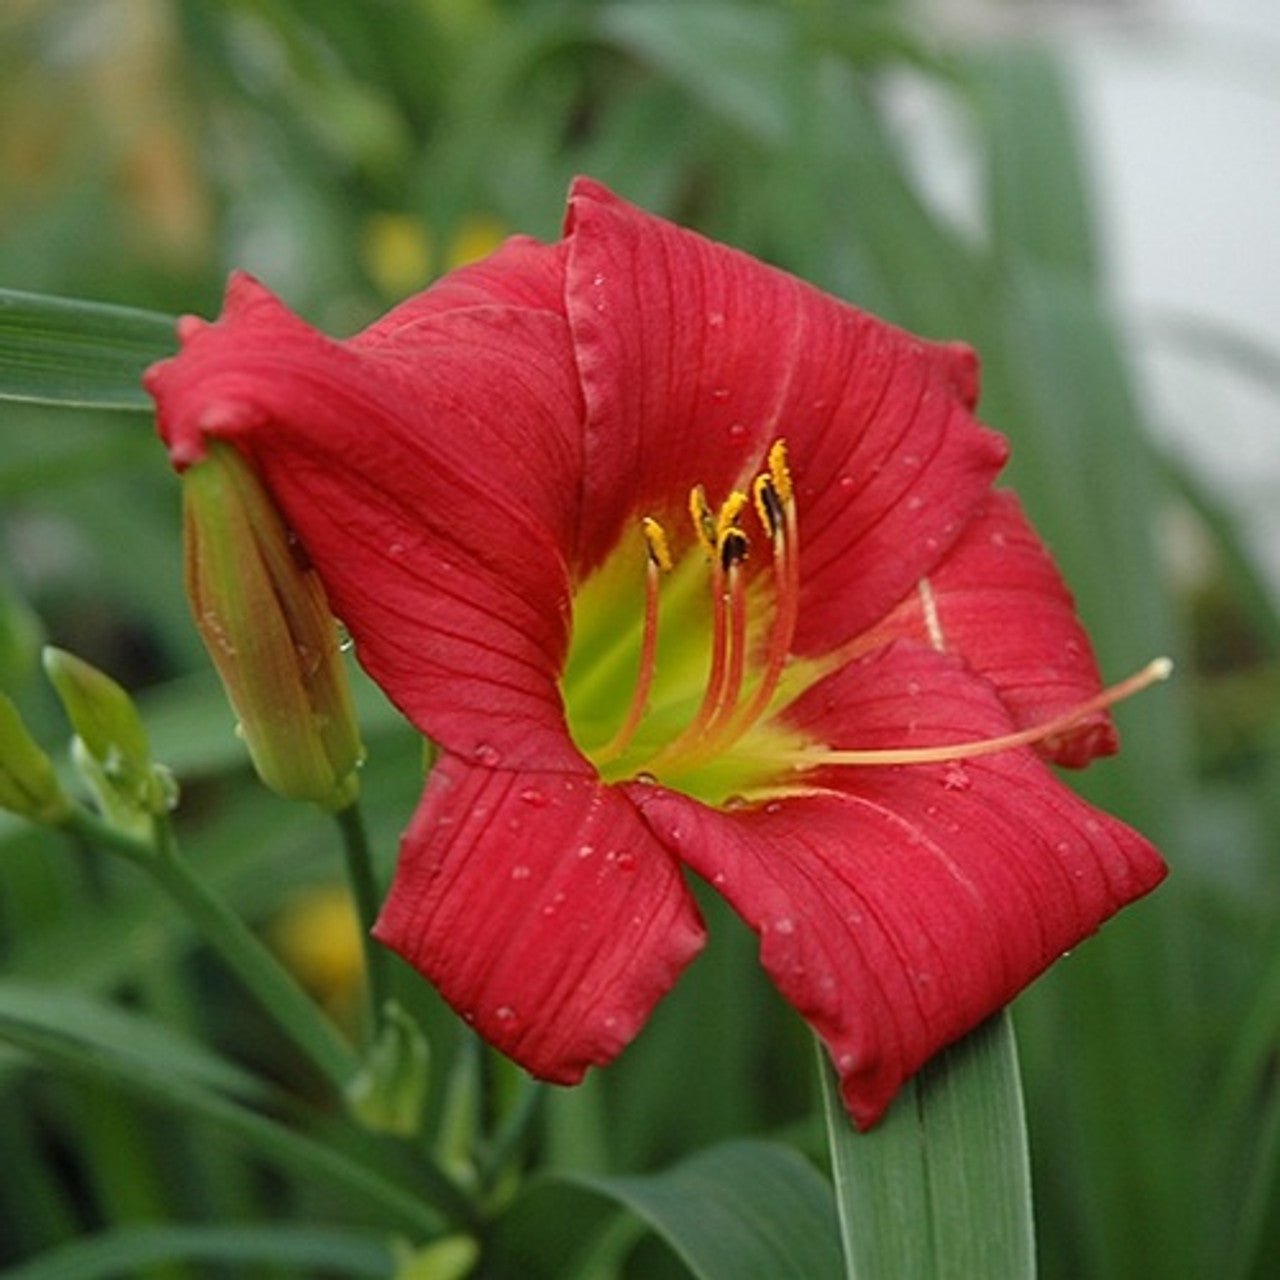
x,y
730,512
779,472
704,520
656,538
768,508
733,547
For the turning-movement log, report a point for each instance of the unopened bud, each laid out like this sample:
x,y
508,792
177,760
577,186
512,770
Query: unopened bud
x,y
112,752
265,621
28,785
390,1090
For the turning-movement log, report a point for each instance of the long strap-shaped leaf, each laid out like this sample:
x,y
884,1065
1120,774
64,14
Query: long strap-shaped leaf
x,y
941,1188
78,354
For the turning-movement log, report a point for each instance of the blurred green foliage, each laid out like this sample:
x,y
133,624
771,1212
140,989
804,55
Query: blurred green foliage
x,y
347,153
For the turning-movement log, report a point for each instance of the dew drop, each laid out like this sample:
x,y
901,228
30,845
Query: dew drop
x,y
626,861
956,778
715,319
645,779
586,850
784,925
521,872
774,806
487,755
719,393
505,1013
735,802
847,482
534,798
737,430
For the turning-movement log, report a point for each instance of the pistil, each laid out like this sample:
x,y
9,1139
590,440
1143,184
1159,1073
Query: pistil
x,y
811,758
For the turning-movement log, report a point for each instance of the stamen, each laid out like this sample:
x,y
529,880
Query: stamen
x,y
728,621
659,562
655,537
732,555
775,502
1155,671
704,519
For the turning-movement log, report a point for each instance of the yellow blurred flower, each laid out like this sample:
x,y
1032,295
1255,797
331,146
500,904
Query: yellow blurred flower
x,y
317,935
401,255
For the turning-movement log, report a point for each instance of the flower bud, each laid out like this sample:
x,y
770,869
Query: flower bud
x,y
390,1091
28,785
266,623
110,750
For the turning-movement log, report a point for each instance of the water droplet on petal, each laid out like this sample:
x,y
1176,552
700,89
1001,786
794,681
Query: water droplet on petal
x,y
532,796
586,850
626,861
505,1013
735,802
737,430
521,872
486,755
645,779
956,777
784,925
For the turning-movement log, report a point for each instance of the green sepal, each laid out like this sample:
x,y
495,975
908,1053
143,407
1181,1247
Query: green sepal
x,y
29,786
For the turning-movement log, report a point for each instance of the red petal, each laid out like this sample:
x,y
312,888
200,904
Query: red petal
x,y
695,357
523,273
432,482
907,904
543,910
999,601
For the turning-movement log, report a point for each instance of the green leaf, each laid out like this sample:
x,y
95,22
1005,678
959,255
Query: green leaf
x,y
78,354
1037,189
737,1211
127,1250
109,1048
733,59
97,1031
941,1187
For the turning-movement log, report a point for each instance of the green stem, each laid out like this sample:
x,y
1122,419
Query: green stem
x,y
255,966
364,887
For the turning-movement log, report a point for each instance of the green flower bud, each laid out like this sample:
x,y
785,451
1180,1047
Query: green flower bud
x,y
449,1258
28,785
110,750
390,1090
266,623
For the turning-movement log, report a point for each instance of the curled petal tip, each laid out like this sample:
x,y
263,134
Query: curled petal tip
x,y
225,417
189,326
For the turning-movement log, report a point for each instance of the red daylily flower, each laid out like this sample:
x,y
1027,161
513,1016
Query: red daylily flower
x,y
682,563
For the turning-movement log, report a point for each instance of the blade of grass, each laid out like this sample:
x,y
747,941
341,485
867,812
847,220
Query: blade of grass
x,y
78,354
941,1187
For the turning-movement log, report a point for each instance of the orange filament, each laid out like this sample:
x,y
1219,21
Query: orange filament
x,y
659,562
722,718
1155,671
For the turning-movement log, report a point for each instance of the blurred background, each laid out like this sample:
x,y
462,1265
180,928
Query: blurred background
x,y
1087,192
